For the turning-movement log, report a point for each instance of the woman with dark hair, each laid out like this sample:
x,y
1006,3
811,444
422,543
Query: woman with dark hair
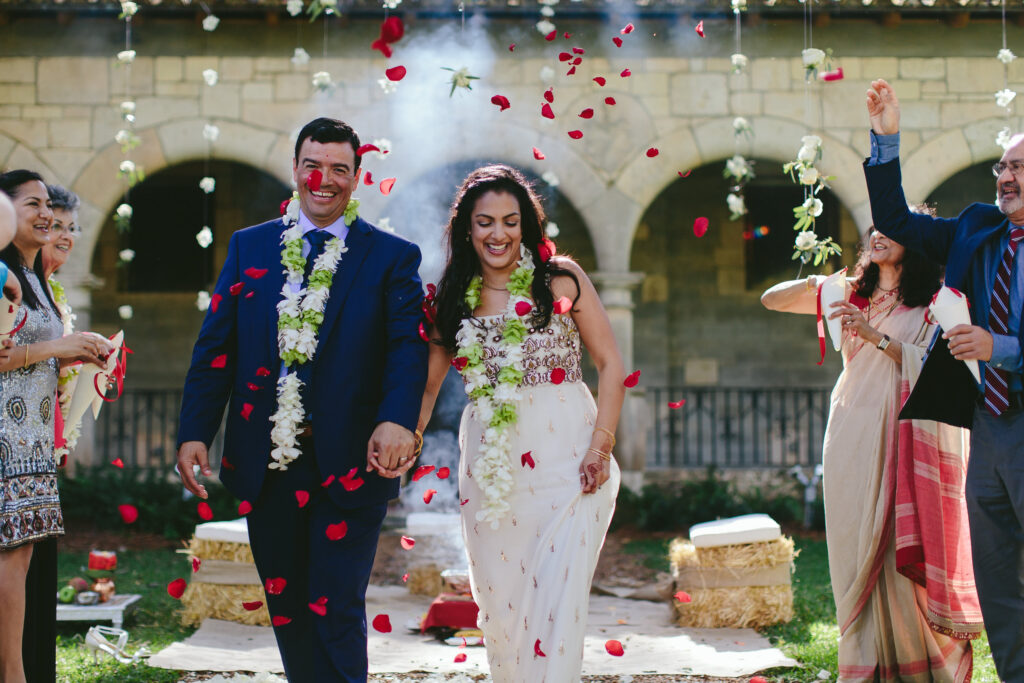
x,y
536,476
895,512
29,506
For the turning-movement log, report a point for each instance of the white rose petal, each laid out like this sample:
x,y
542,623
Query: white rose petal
x,y
550,178
736,204
811,141
210,22
204,237
301,57
126,255
806,240
1003,138
1004,97
388,86
207,184
392,4
124,211
211,132
739,61
125,312
126,56
547,74
210,76
203,300
740,124
129,8
294,7
552,230
1006,56
385,224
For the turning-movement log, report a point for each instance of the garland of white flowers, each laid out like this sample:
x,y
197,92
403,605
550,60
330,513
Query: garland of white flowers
x,y
495,404
299,315
66,380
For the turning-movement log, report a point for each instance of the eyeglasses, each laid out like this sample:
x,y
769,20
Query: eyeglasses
x,y
1016,167
71,230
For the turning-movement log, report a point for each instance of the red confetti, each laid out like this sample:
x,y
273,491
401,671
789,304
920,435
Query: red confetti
x,y
405,577
675,405
196,563
579,51
685,175
460,363
523,307
302,497
551,36
386,185
395,73
314,179
246,410
699,28
252,606
600,80
632,379
336,532
577,61
368,178
408,543
575,134
512,47
682,596
587,113
527,460
253,386
546,112
363,149
443,473
571,71
626,73
460,658
652,152
215,302
349,482
250,295
567,35
610,101
319,607
205,511
244,508
557,376
177,588
463,502
422,471
536,649
617,41
129,513
564,56
546,249
382,623
614,647
391,31
262,372
274,586
700,226
429,496
118,463
255,273
830,76
562,305
627,29
236,288
538,155
327,481
423,333
280,621
501,101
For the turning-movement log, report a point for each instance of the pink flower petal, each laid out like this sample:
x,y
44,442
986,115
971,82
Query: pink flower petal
x,y
700,226
571,71
280,620
675,405
327,482
626,73
549,95
830,76
557,376
538,155
118,463
215,302
129,513
587,113
274,586
564,56
610,101
577,61
314,179
551,36
386,185
576,134
255,273
236,288
512,47
405,577
302,497
523,307
196,564
408,543
682,596
252,606
617,41
460,658
262,372
363,149
395,73
536,649
318,608
699,28
627,29
562,305
443,473
632,379
429,496
579,51
246,410
422,471
685,175
177,588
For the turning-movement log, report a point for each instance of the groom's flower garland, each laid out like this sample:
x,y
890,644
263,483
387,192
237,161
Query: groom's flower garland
x,y
299,315
495,404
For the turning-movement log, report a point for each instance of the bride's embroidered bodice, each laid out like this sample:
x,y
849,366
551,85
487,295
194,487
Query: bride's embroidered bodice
x,y
544,350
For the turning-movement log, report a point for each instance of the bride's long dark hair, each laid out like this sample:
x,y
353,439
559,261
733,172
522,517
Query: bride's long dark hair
x,y
463,263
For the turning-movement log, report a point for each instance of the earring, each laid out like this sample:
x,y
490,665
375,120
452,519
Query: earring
x,y
467,236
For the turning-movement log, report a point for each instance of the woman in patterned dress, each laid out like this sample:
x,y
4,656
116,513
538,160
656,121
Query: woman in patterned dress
x,y
29,507
538,494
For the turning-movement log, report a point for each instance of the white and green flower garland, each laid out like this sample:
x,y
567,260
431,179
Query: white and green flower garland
x,y
68,376
495,403
299,316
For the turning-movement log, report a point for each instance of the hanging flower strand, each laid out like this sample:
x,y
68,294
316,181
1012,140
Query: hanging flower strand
x,y
808,247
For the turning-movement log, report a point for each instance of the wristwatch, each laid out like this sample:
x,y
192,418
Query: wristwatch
x,y
883,343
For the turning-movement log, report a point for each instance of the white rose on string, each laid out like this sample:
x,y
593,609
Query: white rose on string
x,y
126,255
1003,138
808,175
211,132
127,166
122,137
737,206
203,300
322,80
124,212
1004,97
210,76
550,178
301,57
207,184
126,56
204,237
806,240
127,108
552,230
294,7
546,11
210,22
813,206
1005,56
544,26
125,312
128,9
813,57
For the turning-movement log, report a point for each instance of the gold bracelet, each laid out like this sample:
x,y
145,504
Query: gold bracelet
x,y
601,454
27,347
418,436
608,432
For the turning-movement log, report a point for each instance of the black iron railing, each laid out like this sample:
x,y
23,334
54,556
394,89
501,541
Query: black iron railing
x,y
736,427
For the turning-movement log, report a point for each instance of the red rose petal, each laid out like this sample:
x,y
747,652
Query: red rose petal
x,y
652,152
577,61
405,577
546,249
699,28
395,73
327,482
236,288
408,543
501,101
562,305
587,113
382,623
536,649
830,76
422,471
700,226
463,502
685,175
280,621
262,372
225,464
423,332
600,80
205,511
177,588
196,563
538,155
443,473
367,178
317,608
336,532
250,295
302,497
675,405
275,586
314,179
460,658
386,185
575,134
627,29
632,379
429,496
758,679
253,386
551,36
118,463
363,149
567,35
614,647
626,73
255,273
246,410
682,596
579,51
460,363
252,606
215,302
523,307
610,101
512,47
571,71
129,513
527,460
557,376
284,206
244,508
564,56
546,112
617,41
351,484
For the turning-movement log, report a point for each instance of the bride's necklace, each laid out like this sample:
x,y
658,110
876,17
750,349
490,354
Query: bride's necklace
x,y
881,301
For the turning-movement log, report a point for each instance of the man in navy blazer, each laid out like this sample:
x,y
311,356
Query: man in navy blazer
x,y
973,246
313,525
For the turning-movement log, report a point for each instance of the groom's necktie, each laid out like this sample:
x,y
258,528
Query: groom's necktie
x,y
317,239
997,387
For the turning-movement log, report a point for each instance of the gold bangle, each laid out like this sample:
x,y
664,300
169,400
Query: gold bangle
x,y
418,436
27,347
608,432
601,454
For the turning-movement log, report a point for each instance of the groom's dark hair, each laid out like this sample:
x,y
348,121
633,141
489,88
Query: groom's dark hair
x,y
325,130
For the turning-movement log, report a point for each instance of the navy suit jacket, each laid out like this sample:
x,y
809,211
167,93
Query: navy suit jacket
x,y
370,365
945,391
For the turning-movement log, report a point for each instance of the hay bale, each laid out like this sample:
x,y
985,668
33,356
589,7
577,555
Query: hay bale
x,y
425,580
740,607
682,553
206,549
218,601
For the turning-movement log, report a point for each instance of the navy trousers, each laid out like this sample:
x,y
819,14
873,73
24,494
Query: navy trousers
x,y
291,543
995,509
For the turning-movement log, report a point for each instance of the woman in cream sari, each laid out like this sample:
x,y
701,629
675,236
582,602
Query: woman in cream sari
x,y
895,517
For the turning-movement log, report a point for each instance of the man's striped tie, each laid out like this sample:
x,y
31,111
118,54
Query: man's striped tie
x,y
997,387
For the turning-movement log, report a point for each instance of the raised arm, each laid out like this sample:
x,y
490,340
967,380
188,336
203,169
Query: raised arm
x,y
794,296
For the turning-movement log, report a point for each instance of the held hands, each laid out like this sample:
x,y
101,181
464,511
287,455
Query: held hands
x,y
193,453
969,342
84,346
854,321
391,450
883,108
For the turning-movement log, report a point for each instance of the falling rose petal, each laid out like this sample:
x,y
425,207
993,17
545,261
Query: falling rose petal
x,y
538,155
118,463
610,101
363,149
523,307
422,471
577,61
408,543
512,47
395,73
284,206
177,588
443,473
302,497
527,460
682,596
460,658
327,482
676,405
501,101
567,35
317,608
700,226
626,73
651,152
562,305
275,586
246,410
280,620
627,29
386,185
546,249
368,178
463,502
226,464
614,648
405,577
262,372
557,376
423,333
256,273
382,623
460,363
536,649
205,511
549,95
551,36
429,496
129,513
252,606
253,386
579,51
575,134
250,295
244,508
617,41
758,679
350,483
546,112
571,71
564,56
830,76
587,113
699,28
196,563
685,175
314,179
336,532
600,80
215,302
632,379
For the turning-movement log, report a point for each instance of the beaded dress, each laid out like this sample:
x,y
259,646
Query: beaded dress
x,y
531,577
29,506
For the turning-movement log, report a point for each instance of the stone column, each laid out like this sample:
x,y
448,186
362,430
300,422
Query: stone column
x,y
616,289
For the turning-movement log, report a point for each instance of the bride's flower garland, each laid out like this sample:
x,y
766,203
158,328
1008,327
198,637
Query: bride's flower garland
x,y
299,315
495,404
68,375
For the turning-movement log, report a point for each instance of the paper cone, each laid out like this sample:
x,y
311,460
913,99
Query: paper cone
x,y
833,289
84,391
8,315
949,309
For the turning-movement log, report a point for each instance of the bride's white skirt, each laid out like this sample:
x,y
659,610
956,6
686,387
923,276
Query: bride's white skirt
x,y
531,577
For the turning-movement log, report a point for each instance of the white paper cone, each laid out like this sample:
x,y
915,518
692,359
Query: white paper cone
x,y
833,289
949,309
8,315
84,391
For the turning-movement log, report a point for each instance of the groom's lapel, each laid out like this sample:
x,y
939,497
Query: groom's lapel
x,y
358,244
274,282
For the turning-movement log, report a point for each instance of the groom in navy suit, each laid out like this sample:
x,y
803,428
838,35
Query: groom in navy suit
x,y
313,526
980,250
